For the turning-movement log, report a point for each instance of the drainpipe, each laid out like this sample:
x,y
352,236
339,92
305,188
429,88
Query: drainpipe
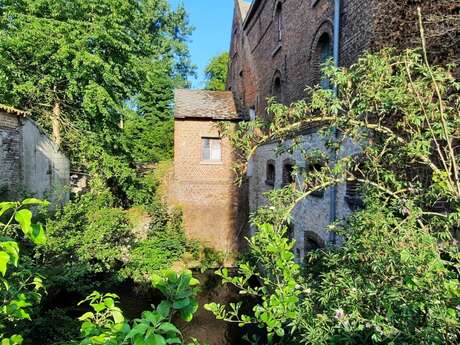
x,y
336,53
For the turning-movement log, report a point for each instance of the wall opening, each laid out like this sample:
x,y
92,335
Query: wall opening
x,y
279,22
288,172
324,54
312,241
270,173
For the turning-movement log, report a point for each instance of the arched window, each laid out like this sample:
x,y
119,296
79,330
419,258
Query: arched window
x,y
312,241
315,168
353,195
279,22
288,172
324,54
271,173
276,86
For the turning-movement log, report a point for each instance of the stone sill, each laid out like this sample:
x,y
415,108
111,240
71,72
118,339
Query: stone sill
x,y
211,163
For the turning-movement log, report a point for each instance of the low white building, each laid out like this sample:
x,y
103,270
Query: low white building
x,y
31,165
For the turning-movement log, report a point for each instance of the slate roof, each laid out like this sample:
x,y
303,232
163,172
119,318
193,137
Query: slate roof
x,y
216,105
13,111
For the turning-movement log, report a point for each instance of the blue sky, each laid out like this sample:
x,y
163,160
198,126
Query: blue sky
x,y
212,20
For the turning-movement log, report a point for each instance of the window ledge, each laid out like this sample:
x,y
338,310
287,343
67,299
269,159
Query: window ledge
x,y
211,163
277,49
270,183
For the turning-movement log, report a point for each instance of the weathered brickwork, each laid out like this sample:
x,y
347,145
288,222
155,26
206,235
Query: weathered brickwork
x,y
258,56
10,155
277,50
205,190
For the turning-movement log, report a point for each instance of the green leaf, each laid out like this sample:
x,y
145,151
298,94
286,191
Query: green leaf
x,y
158,340
182,303
5,206
164,308
37,234
24,218
34,201
117,315
4,260
168,327
86,316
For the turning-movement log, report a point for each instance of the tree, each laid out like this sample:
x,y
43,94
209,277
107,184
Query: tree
x,y
85,68
216,73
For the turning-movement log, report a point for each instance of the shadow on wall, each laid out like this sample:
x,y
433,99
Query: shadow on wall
x,y
45,169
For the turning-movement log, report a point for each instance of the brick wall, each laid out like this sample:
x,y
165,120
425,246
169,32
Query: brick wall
x,y
10,156
205,191
257,55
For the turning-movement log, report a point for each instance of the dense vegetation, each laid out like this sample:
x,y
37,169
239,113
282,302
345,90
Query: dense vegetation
x,y
21,290
395,279
99,77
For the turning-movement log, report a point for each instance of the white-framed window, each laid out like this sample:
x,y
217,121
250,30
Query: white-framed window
x,y
211,149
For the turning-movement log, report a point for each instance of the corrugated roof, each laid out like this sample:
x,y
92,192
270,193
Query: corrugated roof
x,y
13,111
244,8
217,105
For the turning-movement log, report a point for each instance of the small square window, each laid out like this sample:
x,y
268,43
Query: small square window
x,y
212,150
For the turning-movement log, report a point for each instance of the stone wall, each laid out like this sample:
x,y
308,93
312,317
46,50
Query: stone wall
x,y
45,169
310,217
10,156
30,163
205,190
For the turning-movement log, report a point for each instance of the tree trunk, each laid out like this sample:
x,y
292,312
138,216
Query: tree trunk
x,y
56,123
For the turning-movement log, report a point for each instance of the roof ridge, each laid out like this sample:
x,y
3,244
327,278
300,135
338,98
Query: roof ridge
x,y
11,110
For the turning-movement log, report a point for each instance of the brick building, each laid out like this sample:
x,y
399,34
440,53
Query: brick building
x,y
30,163
203,182
277,48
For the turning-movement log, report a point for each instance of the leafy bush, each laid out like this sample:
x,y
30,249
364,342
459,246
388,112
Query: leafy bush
x,y
20,288
88,236
105,324
165,244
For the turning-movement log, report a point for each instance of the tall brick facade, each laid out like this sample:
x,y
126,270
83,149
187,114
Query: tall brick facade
x,y
277,48
203,183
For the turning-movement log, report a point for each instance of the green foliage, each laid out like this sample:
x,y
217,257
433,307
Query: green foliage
x,y
88,236
281,284
216,73
20,288
99,75
180,292
106,324
395,279
164,245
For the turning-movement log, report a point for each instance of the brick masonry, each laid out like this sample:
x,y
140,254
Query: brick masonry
x,y
206,191
258,57
10,155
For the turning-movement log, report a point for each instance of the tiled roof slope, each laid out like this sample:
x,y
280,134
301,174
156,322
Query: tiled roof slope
x,y
217,105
